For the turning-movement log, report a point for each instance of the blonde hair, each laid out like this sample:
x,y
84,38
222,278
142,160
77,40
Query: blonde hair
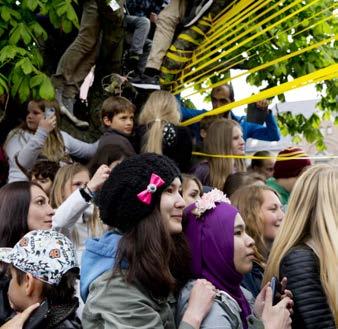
x,y
219,141
54,147
187,178
312,218
64,175
249,200
160,108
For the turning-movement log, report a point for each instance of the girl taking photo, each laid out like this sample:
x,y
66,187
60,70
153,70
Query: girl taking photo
x,y
40,137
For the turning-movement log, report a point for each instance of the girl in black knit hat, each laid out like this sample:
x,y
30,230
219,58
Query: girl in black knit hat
x,y
130,276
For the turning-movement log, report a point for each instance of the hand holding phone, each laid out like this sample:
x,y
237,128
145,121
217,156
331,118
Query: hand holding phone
x,y
49,111
276,290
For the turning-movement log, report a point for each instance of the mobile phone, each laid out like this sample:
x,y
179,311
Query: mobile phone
x,y
255,114
37,317
276,290
49,111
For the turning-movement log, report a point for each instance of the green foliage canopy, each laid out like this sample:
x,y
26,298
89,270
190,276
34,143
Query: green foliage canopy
x,y
20,36
306,27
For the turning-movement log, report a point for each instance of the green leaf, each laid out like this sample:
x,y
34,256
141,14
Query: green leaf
x,y
24,90
320,145
46,90
3,84
5,13
36,58
326,28
26,66
310,67
16,79
37,80
326,116
38,31
296,139
14,35
32,4
71,15
67,26
20,31
8,52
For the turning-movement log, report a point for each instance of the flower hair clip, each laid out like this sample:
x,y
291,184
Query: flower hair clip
x,y
208,201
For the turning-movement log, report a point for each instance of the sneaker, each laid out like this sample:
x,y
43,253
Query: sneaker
x,y
197,12
77,122
58,96
146,82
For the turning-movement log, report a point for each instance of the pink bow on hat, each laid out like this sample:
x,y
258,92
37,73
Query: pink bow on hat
x,y
155,182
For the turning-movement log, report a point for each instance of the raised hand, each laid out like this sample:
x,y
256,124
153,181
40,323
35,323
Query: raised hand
x,y
100,176
48,123
278,316
200,301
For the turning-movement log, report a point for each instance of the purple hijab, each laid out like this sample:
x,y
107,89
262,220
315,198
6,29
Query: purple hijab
x,y
211,241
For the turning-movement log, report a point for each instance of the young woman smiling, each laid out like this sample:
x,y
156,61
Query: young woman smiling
x,y
131,275
24,206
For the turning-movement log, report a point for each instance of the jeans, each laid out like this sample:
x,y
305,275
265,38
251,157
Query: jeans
x,y
139,27
79,58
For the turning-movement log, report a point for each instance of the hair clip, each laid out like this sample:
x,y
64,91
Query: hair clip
x,y
146,195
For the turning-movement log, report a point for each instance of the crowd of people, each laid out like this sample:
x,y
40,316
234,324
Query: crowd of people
x,y
133,231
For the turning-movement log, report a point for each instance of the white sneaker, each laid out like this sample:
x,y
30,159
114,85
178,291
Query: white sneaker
x,y
198,12
77,122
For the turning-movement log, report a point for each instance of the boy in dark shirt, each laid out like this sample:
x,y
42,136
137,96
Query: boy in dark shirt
x,y
117,114
43,269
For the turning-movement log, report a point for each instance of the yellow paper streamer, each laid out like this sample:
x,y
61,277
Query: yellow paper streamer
x,y
279,158
329,72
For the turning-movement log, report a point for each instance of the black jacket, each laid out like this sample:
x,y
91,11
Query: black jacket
x,y
62,317
54,317
311,310
179,151
114,137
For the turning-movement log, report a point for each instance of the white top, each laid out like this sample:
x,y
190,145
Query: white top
x,y
27,146
72,215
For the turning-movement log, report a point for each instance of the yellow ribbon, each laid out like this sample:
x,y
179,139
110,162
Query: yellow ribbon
x,y
329,72
279,158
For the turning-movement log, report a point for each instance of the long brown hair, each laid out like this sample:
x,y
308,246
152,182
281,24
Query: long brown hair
x,y
53,148
156,259
219,141
15,199
249,200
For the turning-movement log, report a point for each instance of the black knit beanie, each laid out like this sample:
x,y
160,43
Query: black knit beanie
x,y
118,202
